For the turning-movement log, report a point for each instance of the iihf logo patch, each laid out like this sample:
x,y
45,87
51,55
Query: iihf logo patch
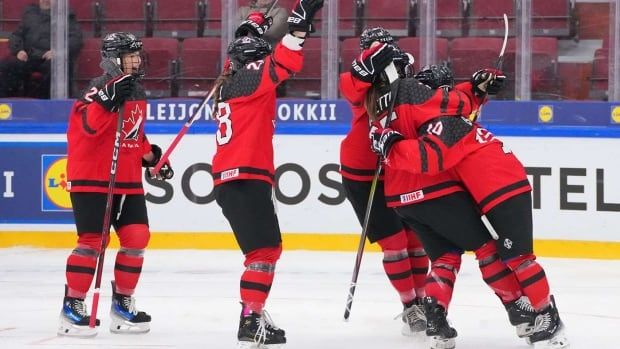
x,y
508,243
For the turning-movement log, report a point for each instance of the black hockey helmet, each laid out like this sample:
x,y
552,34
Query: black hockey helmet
x,y
371,35
115,45
436,76
246,49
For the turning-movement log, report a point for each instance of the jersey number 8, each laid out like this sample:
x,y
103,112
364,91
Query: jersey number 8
x,y
224,129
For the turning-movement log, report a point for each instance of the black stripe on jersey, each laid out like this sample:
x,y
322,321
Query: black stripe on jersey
x,y
85,126
104,184
437,150
357,171
427,190
249,170
503,191
399,276
459,109
423,158
502,274
82,270
127,269
445,99
248,285
533,279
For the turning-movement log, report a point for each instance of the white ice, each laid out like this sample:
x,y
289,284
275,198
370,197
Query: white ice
x,y
193,298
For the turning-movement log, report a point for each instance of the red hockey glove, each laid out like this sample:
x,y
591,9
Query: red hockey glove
x,y
372,62
256,24
488,81
302,15
382,139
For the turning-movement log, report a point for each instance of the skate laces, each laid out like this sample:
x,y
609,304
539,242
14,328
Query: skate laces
x,y
266,327
79,306
524,304
129,303
542,322
412,313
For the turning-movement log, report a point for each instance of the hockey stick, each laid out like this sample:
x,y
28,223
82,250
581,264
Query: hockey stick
x,y
113,69
500,59
190,121
498,66
392,76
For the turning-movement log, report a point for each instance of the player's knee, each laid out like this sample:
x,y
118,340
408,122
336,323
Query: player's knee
x,y
486,251
264,255
134,236
450,261
88,244
413,241
394,242
520,262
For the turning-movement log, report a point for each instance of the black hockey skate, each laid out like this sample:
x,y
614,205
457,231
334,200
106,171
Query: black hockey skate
x,y
438,330
549,330
414,320
124,316
259,331
74,318
522,316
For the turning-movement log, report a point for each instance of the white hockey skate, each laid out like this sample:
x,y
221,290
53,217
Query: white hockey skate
x,y
414,321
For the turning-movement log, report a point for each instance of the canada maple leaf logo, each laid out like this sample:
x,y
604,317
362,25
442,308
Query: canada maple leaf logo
x,y
134,121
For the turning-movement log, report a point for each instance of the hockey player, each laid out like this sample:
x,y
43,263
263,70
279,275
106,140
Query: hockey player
x,y
404,259
243,166
430,136
91,137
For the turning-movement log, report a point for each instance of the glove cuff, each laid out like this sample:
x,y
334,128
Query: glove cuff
x,y
156,156
293,42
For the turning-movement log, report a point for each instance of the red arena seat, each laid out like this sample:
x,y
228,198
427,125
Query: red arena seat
x,y
200,65
179,18
486,17
11,14
122,15
307,83
551,17
470,54
161,66
391,15
412,45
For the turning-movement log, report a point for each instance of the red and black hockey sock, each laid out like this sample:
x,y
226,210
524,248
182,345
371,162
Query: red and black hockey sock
x,y
440,281
419,262
532,279
81,265
257,278
133,239
397,266
496,274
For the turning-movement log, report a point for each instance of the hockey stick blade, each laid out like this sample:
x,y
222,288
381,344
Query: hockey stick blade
x,y
500,59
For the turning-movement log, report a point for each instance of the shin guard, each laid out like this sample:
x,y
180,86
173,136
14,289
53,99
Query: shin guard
x,y
397,266
532,279
496,274
440,281
258,276
133,238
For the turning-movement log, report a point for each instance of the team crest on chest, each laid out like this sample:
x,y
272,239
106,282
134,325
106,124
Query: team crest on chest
x,y
131,125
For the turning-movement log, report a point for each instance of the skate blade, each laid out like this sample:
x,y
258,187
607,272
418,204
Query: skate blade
x,y
442,343
254,345
558,341
524,330
126,327
418,336
68,329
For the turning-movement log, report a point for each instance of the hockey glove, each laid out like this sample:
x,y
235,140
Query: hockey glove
x,y
488,81
115,92
382,139
164,173
302,15
371,62
256,24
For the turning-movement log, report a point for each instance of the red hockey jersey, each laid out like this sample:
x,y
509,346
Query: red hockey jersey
x,y
416,106
357,161
91,135
247,116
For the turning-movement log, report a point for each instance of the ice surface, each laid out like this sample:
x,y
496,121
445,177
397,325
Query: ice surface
x,y
193,298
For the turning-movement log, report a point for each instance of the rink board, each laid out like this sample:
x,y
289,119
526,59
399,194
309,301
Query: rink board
x,y
576,197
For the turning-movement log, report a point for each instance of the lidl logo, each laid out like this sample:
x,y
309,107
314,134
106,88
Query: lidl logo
x,y
5,111
54,196
545,113
615,115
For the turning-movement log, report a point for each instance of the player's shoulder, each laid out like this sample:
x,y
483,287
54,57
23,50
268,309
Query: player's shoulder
x,y
245,81
411,91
